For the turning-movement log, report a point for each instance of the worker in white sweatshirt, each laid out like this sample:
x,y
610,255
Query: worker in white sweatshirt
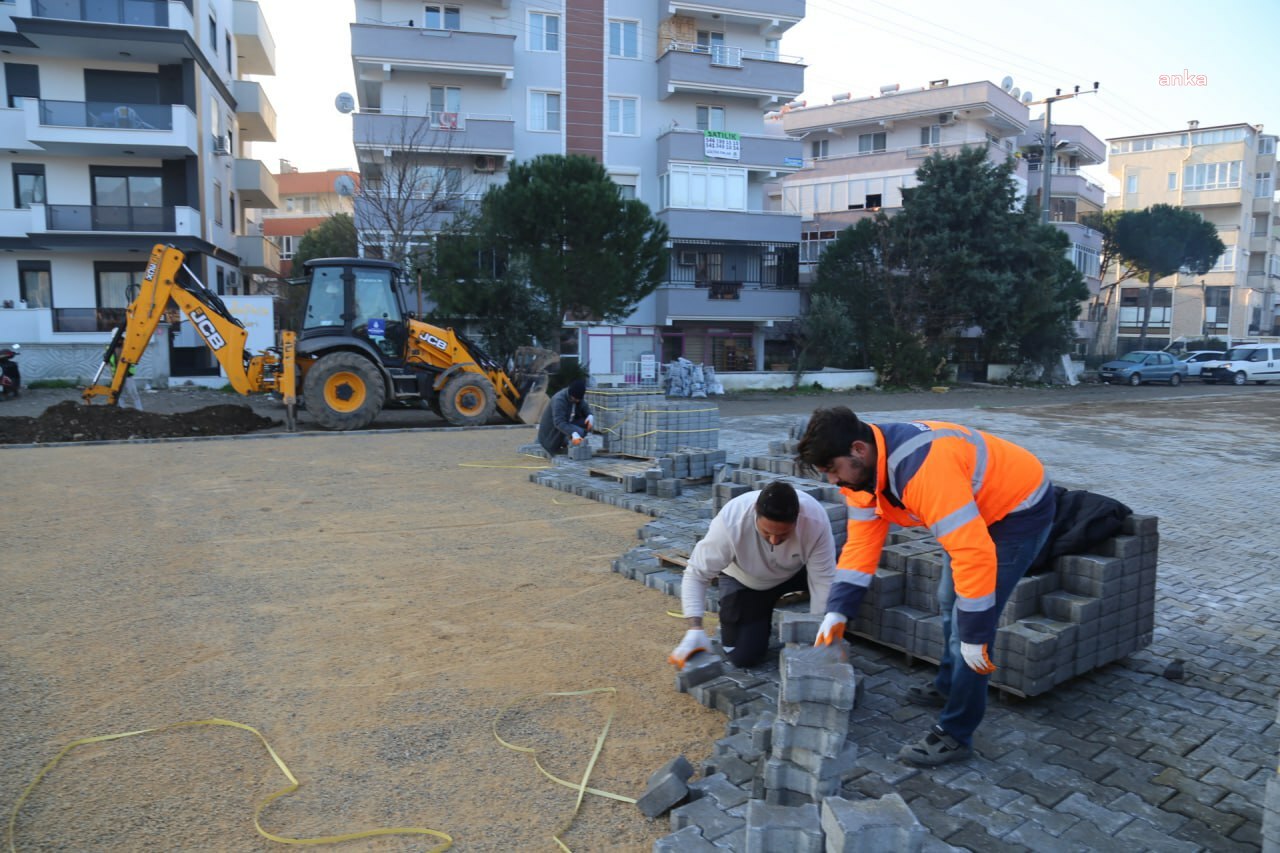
x,y
761,545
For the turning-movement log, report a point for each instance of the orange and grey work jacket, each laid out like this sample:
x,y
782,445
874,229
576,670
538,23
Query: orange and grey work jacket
x,y
957,482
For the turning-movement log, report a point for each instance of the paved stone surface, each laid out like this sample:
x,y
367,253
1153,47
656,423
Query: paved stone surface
x,y
1119,758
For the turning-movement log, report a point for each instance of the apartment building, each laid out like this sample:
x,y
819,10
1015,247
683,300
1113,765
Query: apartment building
x,y
860,151
669,99
125,124
1227,175
1073,196
307,199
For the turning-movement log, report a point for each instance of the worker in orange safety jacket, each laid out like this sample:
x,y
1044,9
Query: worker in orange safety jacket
x,y
989,504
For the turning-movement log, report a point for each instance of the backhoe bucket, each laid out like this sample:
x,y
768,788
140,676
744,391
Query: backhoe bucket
x,y
533,366
535,400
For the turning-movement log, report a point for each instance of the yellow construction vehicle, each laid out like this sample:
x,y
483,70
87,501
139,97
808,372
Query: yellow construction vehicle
x,y
353,350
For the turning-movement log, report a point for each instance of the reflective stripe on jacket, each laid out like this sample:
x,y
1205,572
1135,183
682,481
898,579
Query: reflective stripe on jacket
x,y
955,481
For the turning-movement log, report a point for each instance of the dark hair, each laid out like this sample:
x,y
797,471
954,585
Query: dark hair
x,y
778,502
578,389
829,435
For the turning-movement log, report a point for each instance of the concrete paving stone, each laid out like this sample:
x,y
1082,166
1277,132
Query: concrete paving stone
x,y
717,786
1051,822
1033,837
1141,835
779,829
1251,788
706,816
1210,839
1130,803
978,786
687,840
735,841
1251,834
1222,822
871,785
737,771
921,787
976,837
1048,790
993,819
884,824
1106,819
1140,784
740,745
812,714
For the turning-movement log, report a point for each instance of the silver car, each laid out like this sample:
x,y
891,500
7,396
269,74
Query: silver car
x,y
1134,368
1195,359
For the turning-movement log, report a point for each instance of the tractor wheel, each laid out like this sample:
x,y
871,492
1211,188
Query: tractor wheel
x,y
1135,378
344,391
468,399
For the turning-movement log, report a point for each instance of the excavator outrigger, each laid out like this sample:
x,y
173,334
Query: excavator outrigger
x,y
354,349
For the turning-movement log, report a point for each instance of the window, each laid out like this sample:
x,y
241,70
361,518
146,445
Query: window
x,y
213,33
710,118
288,245
35,284
128,199
624,39
442,18
544,111
818,148
931,135
28,184
871,143
1133,302
1262,186
217,202
228,44
544,32
1086,260
113,280
1215,137
1226,261
622,116
1131,183
1266,145
446,103
1217,306
1173,181
1212,176
705,187
21,81
813,244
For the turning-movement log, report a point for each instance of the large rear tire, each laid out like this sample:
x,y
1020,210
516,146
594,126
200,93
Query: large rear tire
x,y
344,391
468,399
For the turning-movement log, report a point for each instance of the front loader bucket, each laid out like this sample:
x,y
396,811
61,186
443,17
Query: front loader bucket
x,y
535,399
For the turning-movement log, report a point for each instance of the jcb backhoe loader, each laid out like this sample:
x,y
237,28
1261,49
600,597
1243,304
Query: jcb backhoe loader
x,y
353,350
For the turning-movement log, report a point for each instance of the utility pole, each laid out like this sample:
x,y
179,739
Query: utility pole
x,y
1046,164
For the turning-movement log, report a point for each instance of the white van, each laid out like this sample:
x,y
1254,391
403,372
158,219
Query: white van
x,y
1245,363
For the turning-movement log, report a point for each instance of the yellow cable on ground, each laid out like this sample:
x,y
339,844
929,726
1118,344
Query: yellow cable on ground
x,y
580,787
502,465
257,812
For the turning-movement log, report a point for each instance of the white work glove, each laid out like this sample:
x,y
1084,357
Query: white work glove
x,y
591,423
975,657
695,640
577,439
832,630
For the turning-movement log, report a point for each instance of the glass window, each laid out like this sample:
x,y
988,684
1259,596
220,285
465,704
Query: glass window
x,y
818,148
931,135
710,118
622,116
35,284
114,280
1263,186
325,300
544,32
28,184
871,143
213,33
442,18
624,39
1266,145
1131,183
1173,181
544,111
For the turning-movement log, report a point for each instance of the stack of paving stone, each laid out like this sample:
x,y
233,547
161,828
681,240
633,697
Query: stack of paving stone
x,y
609,408
657,427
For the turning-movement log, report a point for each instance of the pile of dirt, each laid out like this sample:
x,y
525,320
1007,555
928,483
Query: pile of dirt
x,y
72,421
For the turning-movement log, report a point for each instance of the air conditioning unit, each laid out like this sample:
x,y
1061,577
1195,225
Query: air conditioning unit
x,y
221,145
945,119
486,163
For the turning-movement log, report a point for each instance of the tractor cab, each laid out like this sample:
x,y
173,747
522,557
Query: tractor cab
x,y
354,297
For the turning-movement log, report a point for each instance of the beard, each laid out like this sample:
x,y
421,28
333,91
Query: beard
x,y
863,479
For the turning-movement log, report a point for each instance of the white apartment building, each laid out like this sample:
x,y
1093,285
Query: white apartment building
x,y
669,99
124,124
1227,174
860,151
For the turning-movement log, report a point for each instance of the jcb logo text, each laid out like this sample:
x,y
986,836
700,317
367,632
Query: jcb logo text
x,y
209,331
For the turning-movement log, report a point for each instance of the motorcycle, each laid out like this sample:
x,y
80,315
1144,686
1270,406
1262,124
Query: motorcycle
x,y
10,375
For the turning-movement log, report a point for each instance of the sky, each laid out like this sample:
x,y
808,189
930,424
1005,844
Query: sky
x,y
860,45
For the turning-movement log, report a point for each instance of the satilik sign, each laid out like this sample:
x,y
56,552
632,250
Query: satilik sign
x,y
722,144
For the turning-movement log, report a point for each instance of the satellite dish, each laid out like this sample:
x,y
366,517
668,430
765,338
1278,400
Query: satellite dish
x,y
344,102
1006,83
1027,97
344,186
1016,92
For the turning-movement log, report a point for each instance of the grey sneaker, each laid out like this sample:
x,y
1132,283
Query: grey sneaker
x,y
935,748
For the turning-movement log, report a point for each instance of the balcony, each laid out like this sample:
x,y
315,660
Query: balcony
x,y
758,153
258,255
380,49
757,75
731,225
98,128
725,300
123,220
255,185
142,30
254,45
771,17
440,133
1066,182
254,111
424,212
985,105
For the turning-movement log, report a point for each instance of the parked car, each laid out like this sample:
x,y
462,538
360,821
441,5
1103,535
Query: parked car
x,y
1143,366
1195,359
1246,363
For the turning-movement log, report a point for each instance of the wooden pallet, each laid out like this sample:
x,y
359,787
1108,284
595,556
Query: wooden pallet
x,y
616,470
679,560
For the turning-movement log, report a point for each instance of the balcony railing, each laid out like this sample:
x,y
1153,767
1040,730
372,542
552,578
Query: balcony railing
x,y
137,13
729,56
110,114
96,217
